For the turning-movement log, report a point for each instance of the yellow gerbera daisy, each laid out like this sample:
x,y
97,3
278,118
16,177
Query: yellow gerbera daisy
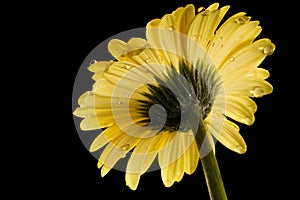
x,y
150,99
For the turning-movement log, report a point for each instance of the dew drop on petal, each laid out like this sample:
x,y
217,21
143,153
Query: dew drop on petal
x,y
86,124
205,13
120,102
232,59
159,57
137,170
127,66
268,50
239,149
123,156
89,116
171,28
93,62
246,120
194,37
257,92
250,74
125,147
148,60
241,20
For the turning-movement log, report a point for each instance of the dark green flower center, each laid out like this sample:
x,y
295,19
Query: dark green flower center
x,y
183,94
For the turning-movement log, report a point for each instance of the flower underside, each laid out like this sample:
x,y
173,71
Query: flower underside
x,y
202,85
191,69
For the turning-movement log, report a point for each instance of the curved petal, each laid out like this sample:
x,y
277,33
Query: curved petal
x,y
205,23
141,159
241,109
234,34
119,48
246,59
116,150
226,132
181,156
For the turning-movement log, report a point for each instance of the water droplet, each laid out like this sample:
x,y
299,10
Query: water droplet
x,y
127,66
93,62
171,28
190,95
239,149
250,74
89,116
125,147
241,20
268,50
213,44
148,60
232,59
137,170
159,57
238,39
194,37
222,45
220,38
123,156
257,92
205,13
119,102
246,120
228,70
86,124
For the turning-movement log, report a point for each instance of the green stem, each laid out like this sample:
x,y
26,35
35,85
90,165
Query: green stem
x,y
210,167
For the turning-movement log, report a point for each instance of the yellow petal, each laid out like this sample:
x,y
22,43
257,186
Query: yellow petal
x,y
172,173
132,180
107,135
236,33
246,59
141,159
171,151
89,123
143,155
226,132
100,66
116,150
135,45
107,150
241,109
184,17
116,47
250,87
182,156
205,23
99,142
191,158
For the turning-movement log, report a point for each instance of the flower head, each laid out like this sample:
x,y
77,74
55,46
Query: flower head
x,y
149,100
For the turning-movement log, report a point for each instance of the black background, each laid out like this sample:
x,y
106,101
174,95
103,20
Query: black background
x,y
58,163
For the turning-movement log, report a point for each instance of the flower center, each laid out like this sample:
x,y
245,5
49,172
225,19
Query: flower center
x,y
185,93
